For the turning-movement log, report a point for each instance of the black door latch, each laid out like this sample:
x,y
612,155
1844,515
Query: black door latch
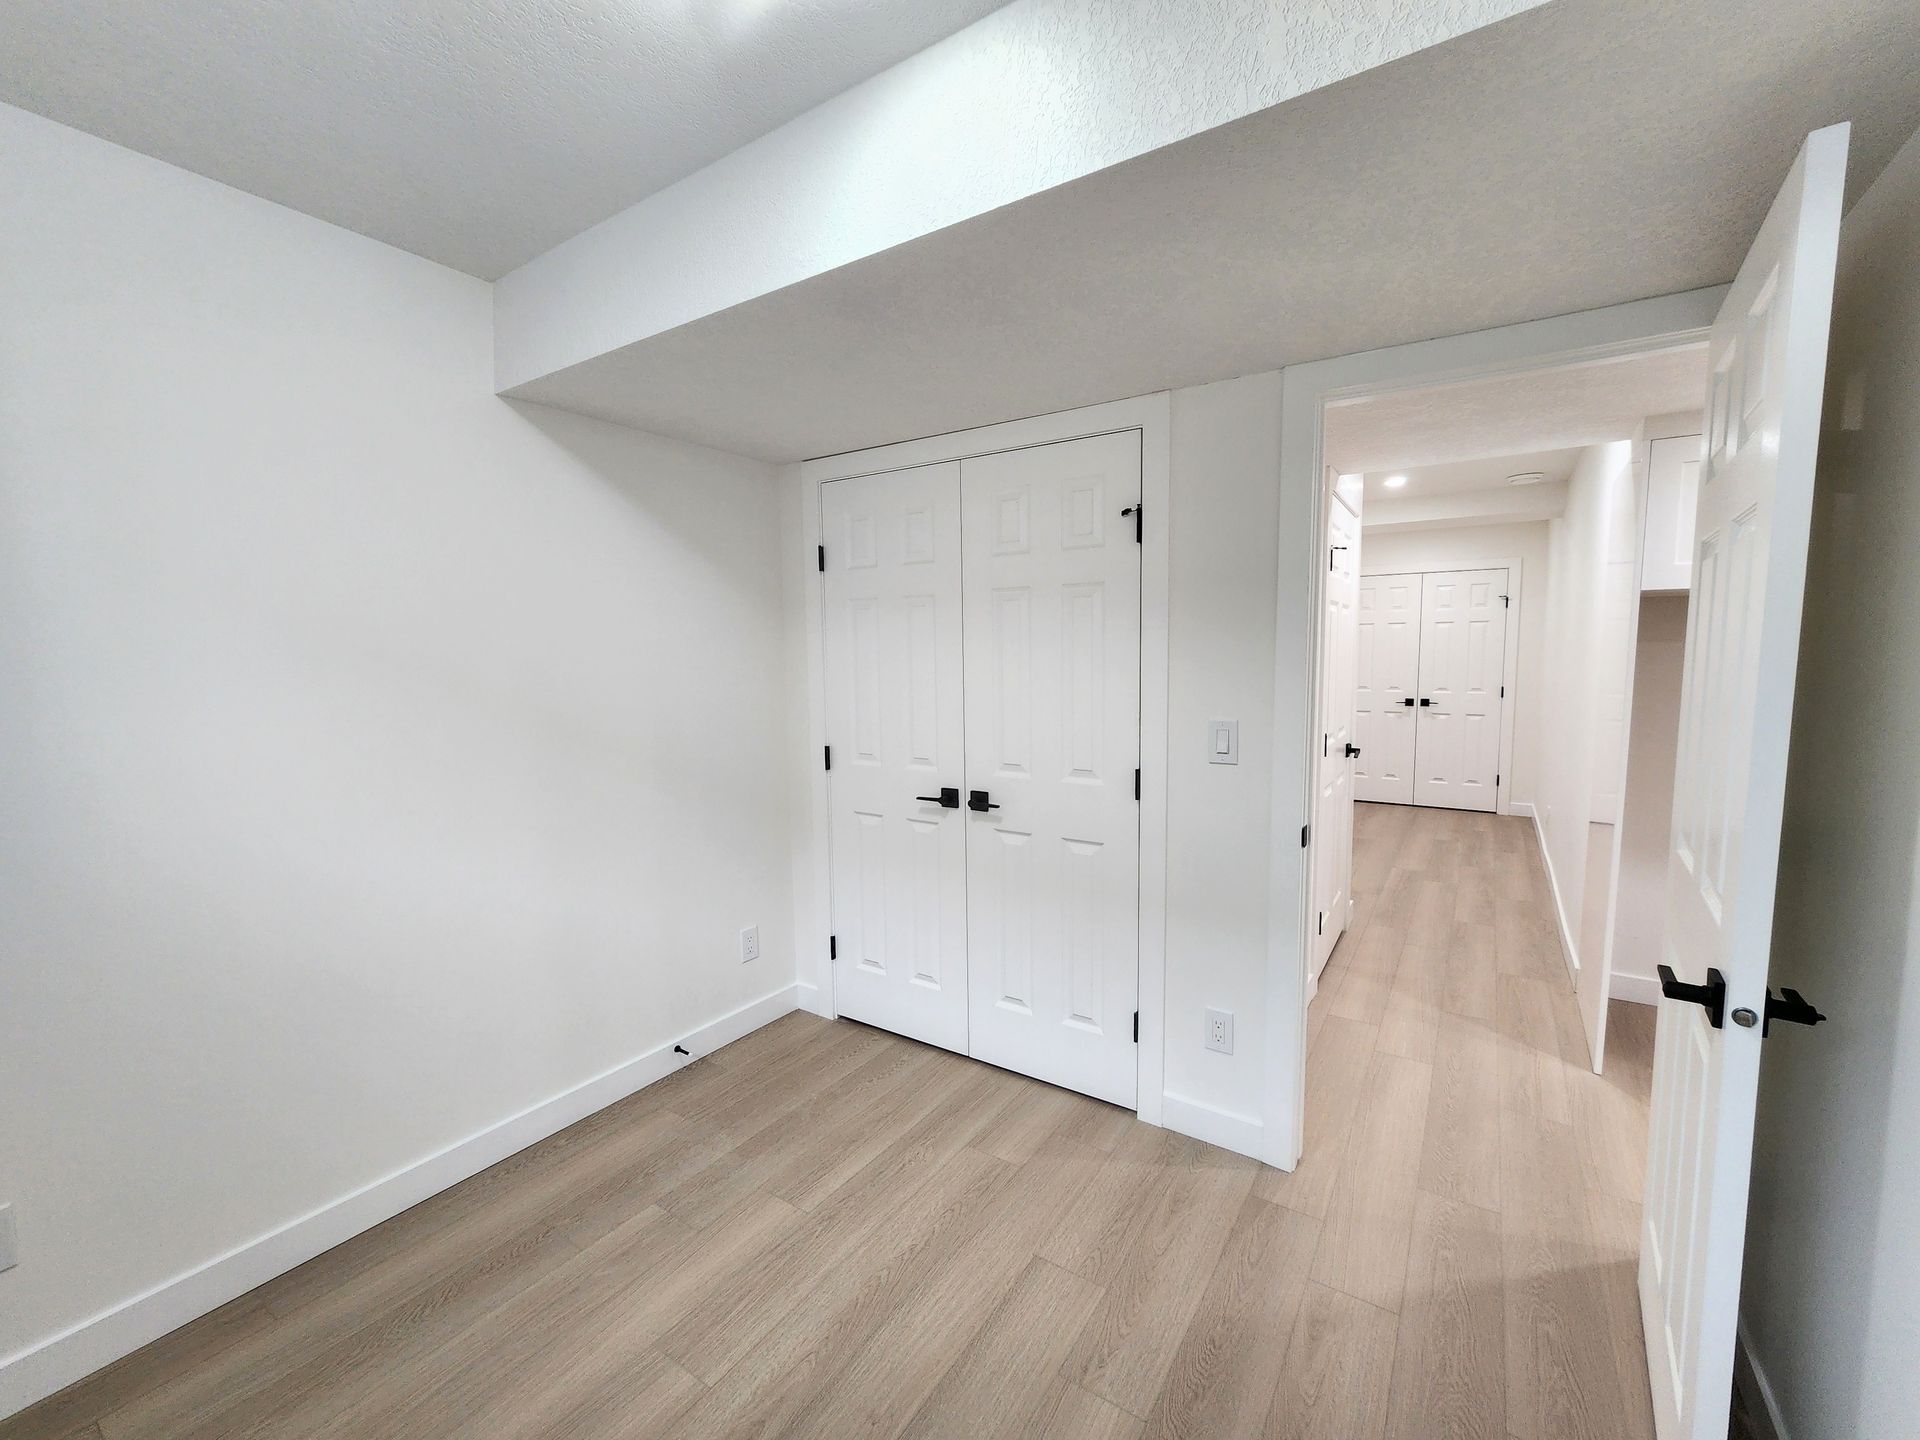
x,y
977,800
947,799
1352,750
1711,997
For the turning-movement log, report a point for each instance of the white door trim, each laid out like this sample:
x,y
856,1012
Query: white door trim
x,y
1643,325
1151,415
1509,659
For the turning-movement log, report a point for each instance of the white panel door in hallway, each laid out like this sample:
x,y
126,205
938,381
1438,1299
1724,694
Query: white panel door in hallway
x,y
1333,801
1463,635
1386,674
1767,362
1052,585
890,619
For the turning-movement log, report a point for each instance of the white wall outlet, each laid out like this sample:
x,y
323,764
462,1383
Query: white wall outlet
x,y
749,944
9,1239
1220,1031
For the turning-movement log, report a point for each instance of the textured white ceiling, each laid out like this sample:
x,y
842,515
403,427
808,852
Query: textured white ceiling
x,y
1581,154
1460,477
1426,433
478,134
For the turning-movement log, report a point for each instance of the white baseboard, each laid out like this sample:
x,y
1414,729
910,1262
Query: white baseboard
x,y
31,1375
812,999
1522,808
1228,1129
1640,989
1568,946
1751,1381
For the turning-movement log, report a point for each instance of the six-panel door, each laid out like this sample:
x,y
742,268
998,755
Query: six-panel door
x,y
1386,670
1052,605
1463,634
890,619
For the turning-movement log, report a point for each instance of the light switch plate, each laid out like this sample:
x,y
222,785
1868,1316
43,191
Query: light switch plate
x,y
1223,742
9,1239
749,944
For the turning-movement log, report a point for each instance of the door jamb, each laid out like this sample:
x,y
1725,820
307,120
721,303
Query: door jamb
x,y
1151,415
1618,331
1509,664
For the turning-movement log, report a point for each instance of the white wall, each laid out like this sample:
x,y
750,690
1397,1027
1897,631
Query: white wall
x,y
1831,1302
1222,572
381,758
1647,812
1577,562
1463,548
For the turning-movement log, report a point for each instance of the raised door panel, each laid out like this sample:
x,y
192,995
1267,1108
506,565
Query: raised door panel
x,y
1052,604
1463,623
891,623
1386,671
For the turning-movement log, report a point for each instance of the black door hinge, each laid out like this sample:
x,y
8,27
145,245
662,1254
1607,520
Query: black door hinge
x,y
833,947
1320,925
1496,780
1135,511
1136,1027
823,559
1136,782
1503,692
829,750
1305,830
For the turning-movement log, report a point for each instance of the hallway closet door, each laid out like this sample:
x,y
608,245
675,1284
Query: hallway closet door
x,y
1386,673
1333,773
891,620
1463,637
1052,605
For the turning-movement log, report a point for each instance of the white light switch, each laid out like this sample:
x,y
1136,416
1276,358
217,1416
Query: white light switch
x,y
1223,742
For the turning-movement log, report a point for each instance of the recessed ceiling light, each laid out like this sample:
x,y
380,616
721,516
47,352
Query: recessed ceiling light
x,y
1394,482
1527,477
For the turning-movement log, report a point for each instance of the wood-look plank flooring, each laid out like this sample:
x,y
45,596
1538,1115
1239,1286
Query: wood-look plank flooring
x,y
824,1230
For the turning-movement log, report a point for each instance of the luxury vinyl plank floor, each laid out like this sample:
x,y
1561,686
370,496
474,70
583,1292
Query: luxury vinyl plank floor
x,y
827,1230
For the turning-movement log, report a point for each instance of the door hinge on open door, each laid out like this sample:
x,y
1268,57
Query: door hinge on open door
x,y
829,750
1305,830
1320,925
823,559
1136,1027
1136,782
833,947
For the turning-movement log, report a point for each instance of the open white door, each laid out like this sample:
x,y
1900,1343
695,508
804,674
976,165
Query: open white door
x,y
1768,365
1333,789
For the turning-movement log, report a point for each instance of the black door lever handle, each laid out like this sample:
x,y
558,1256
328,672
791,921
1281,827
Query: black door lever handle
x,y
1711,997
947,799
977,801
1352,750
1792,1007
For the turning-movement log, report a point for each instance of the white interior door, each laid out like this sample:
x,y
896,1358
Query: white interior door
x,y
1767,360
1386,672
1333,808
1052,583
1463,637
891,622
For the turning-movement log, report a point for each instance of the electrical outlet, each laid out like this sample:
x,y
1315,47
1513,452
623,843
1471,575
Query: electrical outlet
x,y
749,944
1220,1031
9,1239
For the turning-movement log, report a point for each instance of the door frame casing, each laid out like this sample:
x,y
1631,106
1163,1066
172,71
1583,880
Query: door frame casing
x,y
1617,331
1509,664
1151,415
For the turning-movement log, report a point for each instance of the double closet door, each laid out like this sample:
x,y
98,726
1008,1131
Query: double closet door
x,y
981,629
1428,688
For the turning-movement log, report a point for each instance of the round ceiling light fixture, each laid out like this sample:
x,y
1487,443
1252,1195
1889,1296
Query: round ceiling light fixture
x,y
1527,477
1394,482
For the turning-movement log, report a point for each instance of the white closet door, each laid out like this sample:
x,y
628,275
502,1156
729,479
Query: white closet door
x,y
1333,810
1386,670
1463,633
1052,583
891,621
1767,359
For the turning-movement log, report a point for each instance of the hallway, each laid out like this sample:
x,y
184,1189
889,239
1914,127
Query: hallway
x,y
1479,1185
